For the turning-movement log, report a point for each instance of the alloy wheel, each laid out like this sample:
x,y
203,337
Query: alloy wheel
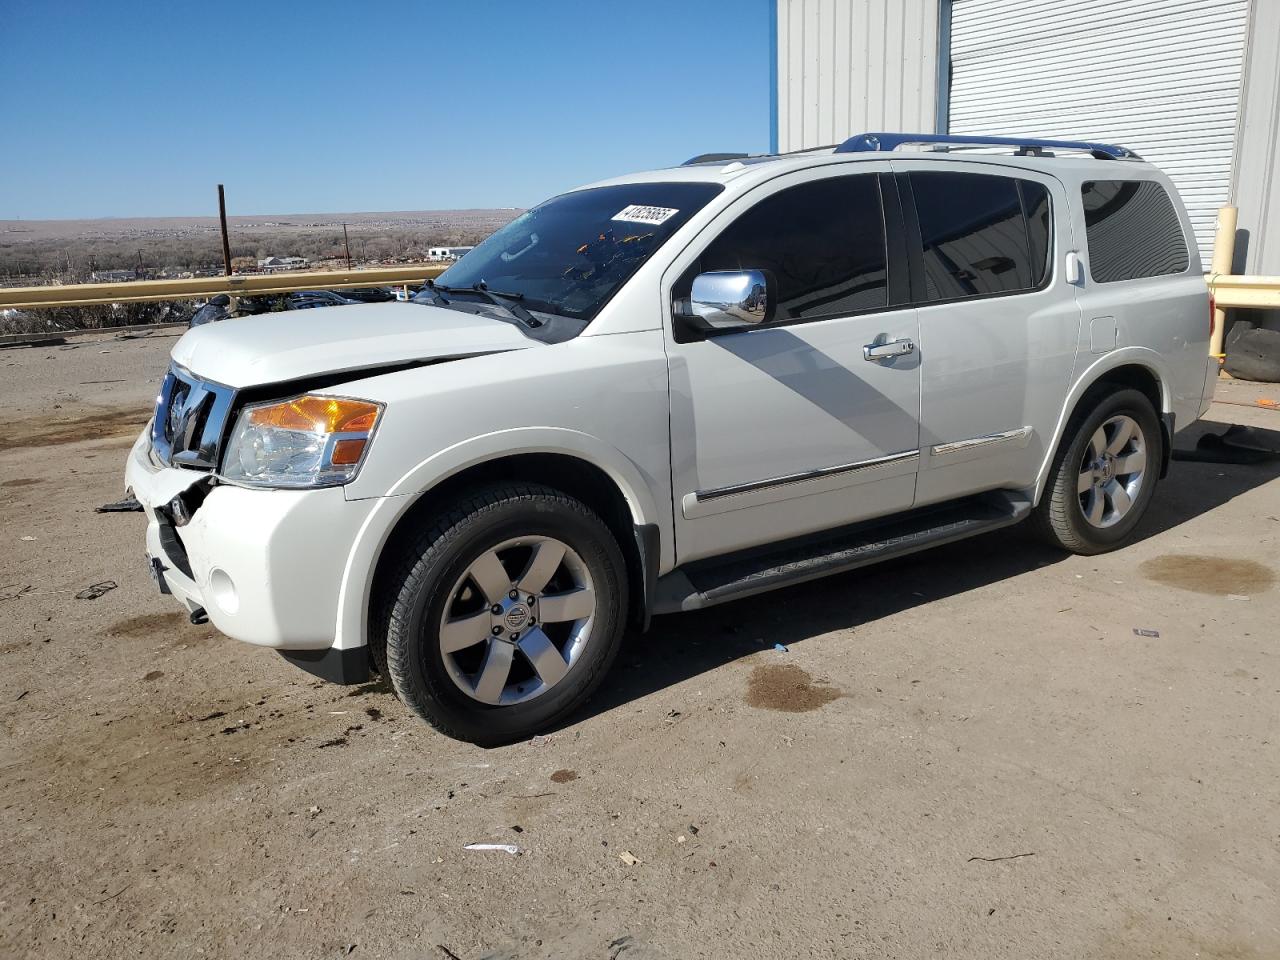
x,y
517,620
1112,471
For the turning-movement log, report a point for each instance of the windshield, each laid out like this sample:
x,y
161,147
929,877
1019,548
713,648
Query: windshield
x,y
572,253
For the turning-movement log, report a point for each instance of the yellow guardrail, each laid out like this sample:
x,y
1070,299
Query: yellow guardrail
x,y
1234,290
141,291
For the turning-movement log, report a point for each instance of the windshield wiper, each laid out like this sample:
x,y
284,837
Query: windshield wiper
x,y
515,309
496,298
433,291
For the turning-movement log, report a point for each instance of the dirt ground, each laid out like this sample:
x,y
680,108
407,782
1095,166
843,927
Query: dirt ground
x,y
972,754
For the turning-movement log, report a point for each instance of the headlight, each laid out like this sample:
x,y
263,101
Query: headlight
x,y
309,441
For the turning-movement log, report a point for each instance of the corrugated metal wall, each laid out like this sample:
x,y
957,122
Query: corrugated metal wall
x,y
1159,76
1254,187
849,66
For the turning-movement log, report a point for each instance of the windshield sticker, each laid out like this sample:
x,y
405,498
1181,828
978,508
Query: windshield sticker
x,y
639,213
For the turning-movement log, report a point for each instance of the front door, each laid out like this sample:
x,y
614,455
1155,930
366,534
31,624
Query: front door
x,y
787,429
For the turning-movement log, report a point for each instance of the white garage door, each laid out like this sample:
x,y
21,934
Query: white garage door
x,y
1161,77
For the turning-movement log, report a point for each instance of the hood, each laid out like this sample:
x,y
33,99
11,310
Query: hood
x,y
291,345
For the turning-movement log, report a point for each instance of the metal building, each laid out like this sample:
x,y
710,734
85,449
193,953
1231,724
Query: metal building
x,y
1192,85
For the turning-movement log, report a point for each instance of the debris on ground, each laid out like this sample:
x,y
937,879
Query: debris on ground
x,y
1012,856
510,848
629,858
1142,632
541,740
21,695
27,539
564,776
1236,596
13,592
781,648
96,590
129,504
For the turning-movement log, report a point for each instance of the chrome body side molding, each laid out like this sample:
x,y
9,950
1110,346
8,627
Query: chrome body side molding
x,y
981,445
702,496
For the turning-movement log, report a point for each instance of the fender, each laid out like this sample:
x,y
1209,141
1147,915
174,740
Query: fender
x,y
1121,357
357,574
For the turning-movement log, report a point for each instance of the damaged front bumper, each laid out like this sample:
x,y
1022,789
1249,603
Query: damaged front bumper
x,y
266,566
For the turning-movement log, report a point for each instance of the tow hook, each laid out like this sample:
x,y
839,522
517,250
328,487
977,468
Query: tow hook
x,y
198,616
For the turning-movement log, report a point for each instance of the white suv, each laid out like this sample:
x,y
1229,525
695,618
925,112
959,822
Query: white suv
x,y
673,389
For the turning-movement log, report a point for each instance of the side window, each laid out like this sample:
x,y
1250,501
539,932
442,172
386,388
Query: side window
x,y
981,234
824,242
1132,229
1035,206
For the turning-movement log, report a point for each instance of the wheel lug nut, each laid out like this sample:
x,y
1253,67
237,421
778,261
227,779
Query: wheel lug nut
x,y
515,637
514,594
532,598
497,631
496,609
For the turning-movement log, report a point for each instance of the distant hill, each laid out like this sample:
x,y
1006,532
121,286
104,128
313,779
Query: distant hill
x,y
71,249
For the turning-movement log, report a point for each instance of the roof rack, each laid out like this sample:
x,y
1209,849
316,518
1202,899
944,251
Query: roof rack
x,y
715,158
1027,146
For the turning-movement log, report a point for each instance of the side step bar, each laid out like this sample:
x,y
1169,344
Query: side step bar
x,y
705,583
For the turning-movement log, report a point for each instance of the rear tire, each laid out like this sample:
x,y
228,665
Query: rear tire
x,y
504,615
1104,474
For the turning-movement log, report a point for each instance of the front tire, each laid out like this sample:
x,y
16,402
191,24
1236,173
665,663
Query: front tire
x,y
1104,475
503,617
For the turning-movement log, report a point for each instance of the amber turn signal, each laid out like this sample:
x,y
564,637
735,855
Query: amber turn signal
x,y
347,452
319,415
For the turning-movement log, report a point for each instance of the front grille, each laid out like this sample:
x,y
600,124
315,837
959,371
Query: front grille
x,y
190,421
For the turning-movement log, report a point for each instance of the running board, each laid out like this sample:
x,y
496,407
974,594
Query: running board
x,y
705,583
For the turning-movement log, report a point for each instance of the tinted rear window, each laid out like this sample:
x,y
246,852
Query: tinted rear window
x,y
1132,229
981,234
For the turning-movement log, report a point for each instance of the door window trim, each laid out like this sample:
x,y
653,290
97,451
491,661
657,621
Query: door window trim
x,y
897,283
915,239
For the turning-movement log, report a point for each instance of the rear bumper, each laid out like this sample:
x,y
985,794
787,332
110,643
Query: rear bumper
x,y
265,565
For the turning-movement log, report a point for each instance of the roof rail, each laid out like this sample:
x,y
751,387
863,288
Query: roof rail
x,y
715,158
1027,146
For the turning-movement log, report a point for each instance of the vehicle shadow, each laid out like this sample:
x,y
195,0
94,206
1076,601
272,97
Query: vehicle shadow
x,y
681,646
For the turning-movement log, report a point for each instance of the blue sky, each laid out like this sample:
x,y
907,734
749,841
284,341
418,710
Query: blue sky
x,y
140,109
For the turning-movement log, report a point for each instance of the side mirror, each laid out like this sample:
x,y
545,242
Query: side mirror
x,y
729,300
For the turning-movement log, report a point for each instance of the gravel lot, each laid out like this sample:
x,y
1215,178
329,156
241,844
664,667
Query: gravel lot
x,y
969,754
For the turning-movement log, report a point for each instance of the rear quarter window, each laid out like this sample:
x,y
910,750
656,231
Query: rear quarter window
x,y
1132,229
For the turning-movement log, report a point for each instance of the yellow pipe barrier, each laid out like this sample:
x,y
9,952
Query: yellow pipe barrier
x,y
1259,293
1224,248
141,291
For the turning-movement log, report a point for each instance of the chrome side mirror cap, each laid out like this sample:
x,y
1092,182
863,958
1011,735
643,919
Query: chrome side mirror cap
x,y
730,300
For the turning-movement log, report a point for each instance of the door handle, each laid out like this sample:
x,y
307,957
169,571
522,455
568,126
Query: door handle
x,y
877,352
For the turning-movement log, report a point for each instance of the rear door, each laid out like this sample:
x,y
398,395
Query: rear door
x,y
998,321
